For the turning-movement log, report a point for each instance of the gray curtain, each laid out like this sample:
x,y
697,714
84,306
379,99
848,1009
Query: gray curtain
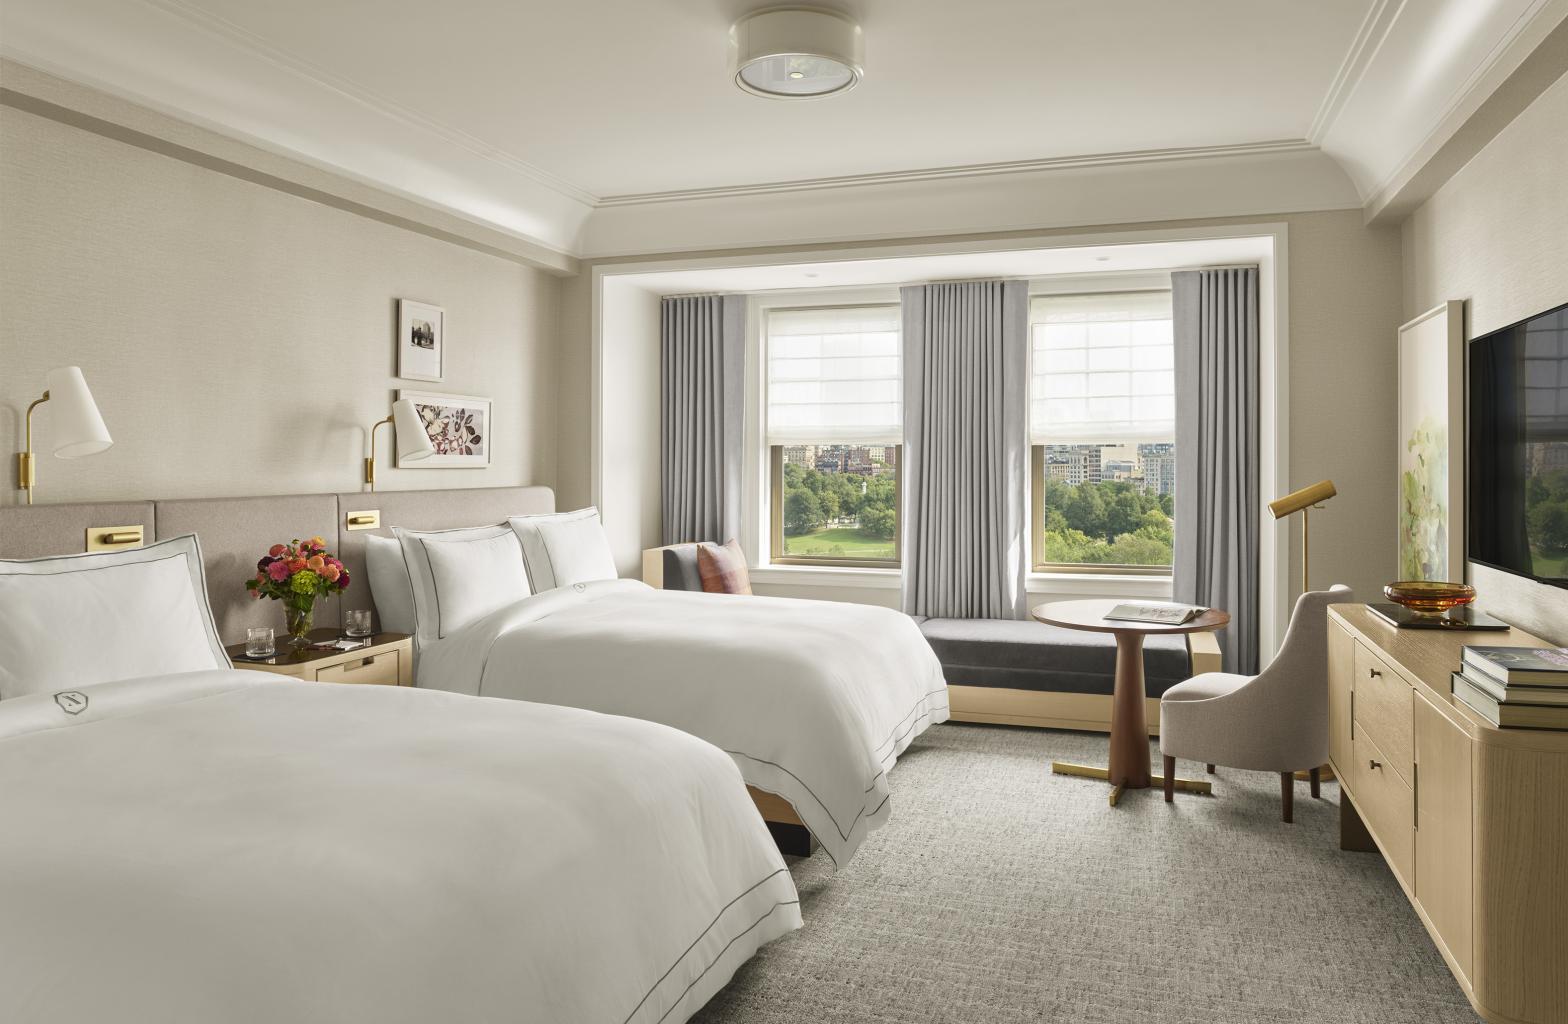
x,y
1218,507
702,343
965,468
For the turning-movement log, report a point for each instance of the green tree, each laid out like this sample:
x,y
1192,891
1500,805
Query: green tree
x,y
881,522
802,511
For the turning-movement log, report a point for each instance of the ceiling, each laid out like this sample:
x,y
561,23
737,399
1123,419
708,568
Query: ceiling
x,y
531,115
621,97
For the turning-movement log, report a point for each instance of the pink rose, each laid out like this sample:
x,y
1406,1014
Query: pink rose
x,y
279,571
276,550
332,573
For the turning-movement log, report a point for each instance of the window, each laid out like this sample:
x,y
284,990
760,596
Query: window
x,y
835,422
1102,427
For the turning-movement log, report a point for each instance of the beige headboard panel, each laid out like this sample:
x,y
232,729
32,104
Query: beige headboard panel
x,y
39,531
234,533
427,510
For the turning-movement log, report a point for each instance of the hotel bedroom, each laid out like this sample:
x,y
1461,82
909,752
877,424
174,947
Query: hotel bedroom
x,y
1028,512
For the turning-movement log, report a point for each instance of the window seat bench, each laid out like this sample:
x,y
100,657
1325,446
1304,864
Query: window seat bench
x,y
1021,672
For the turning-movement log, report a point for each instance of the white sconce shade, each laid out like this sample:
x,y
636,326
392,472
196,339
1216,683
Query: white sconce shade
x,y
413,443
76,428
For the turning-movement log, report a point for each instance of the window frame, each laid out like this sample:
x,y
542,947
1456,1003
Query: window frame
x,y
776,555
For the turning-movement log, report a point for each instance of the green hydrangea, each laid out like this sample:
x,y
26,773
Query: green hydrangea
x,y
305,582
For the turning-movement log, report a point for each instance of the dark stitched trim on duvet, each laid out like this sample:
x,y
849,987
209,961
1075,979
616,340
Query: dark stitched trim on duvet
x,y
726,949
699,938
916,712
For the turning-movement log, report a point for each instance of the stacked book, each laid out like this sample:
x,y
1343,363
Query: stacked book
x,y
1516,687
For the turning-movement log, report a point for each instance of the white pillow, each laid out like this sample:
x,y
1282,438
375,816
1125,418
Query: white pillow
x,y
76,620
461,575
565,548
390,586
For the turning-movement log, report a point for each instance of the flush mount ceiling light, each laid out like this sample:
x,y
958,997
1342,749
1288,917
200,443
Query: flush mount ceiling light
x,y
792,53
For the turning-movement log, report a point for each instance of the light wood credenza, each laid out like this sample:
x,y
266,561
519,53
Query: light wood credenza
x,y
1472,819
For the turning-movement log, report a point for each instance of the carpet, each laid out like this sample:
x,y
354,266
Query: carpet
x,y
999,893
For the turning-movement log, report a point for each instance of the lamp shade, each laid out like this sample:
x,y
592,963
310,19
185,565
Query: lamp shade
x,y
413,443
1295,501
76,427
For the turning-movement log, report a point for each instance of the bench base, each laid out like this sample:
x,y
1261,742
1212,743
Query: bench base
x,y
1041,709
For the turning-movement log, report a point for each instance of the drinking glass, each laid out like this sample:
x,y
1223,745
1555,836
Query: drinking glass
x,y
357,622
259,642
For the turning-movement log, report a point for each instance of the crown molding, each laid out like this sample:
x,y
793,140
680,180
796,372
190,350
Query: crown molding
x,y
960,171
259,47
1363,50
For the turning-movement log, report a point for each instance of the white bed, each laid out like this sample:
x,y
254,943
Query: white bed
x,y
217,845
813,700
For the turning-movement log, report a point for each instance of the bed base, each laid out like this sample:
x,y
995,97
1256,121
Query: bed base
x,y
790,833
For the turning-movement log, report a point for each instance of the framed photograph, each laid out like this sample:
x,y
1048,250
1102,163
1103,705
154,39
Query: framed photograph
x,y
421,340
1431,445
458,427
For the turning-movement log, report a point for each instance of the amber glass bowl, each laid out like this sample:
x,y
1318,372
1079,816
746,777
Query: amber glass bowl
x,y
1428,598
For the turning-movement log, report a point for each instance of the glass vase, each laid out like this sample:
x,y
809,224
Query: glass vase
x,y
298,620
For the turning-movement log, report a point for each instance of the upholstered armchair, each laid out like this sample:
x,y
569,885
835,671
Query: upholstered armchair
x,y
1276,721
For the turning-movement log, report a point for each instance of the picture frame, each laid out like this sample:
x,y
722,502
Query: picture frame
x,y
421,341
1431,458
459,427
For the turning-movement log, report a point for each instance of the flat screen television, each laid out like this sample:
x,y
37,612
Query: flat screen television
x,y
1517,471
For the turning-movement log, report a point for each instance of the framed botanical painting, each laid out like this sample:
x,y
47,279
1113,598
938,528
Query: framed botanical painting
x,y
1431,445
458,427
421,340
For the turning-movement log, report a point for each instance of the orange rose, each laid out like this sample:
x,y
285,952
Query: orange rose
x,y
315,563
332,573
296,564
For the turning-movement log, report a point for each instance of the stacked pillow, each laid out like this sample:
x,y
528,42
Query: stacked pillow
x,y
432,583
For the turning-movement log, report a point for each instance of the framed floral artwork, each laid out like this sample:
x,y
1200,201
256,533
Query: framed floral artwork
x,y
458,427
421,340
1431,446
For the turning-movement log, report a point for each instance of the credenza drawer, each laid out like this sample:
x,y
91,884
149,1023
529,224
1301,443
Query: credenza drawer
x,y
1383,708
1387,804
379,668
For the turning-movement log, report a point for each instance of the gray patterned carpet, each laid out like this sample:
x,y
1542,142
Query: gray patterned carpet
x,y
999,893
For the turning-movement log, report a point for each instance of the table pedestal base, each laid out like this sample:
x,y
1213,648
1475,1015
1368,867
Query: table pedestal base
x,y
1088,771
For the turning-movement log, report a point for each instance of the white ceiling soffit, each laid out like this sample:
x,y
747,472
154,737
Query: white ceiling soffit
x,y
1417,70
159,54
610,127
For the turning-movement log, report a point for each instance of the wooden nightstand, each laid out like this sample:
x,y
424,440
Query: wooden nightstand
x,y
388,661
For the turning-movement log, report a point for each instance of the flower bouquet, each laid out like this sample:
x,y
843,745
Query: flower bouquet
x,y
297,574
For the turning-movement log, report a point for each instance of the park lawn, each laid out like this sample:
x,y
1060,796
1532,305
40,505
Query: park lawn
x,y
851,541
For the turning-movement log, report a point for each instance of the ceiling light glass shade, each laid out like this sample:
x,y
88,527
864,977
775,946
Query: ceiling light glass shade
x,y
796,53
413,443
75,426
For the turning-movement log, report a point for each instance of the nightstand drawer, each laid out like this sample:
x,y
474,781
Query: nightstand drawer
x,y
374,668
1386,802
1384,710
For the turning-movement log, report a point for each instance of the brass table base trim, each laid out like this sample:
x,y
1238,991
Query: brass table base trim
x,y
1089,771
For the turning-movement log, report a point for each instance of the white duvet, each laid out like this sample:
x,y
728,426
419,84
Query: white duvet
x,y
232,847
814,700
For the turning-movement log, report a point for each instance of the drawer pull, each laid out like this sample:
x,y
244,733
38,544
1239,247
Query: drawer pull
x,y
361,664
1373,673
1374,764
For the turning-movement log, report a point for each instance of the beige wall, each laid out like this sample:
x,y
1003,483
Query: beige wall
x,y
239,339
1344,310
1496,236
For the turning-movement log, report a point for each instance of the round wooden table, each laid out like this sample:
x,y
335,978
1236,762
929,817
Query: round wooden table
x,y
1130,766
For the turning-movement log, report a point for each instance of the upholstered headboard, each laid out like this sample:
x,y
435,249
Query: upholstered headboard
x,y
235,532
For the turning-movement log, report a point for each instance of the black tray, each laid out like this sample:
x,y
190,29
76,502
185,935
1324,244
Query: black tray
x,y
1454,618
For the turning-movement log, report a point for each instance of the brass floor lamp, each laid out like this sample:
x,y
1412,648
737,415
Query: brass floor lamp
x,y
1303,501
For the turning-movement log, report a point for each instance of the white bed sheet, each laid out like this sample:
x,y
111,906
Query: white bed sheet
x,y
224,846
814,700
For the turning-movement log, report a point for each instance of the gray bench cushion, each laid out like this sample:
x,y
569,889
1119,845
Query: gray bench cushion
x,y
1029,655
680,568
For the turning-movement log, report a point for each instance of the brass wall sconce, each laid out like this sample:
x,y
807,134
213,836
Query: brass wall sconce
x,y
412,441
77,425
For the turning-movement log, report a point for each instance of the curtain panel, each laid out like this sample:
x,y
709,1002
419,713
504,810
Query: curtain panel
x,y
702,356
966,364
1218,505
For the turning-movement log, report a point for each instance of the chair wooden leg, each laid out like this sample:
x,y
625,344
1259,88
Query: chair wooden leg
x,y
1170,778
1315,776
1210,767
1287,795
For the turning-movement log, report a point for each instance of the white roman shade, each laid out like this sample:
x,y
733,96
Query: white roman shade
x,y
1102,368
834,375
